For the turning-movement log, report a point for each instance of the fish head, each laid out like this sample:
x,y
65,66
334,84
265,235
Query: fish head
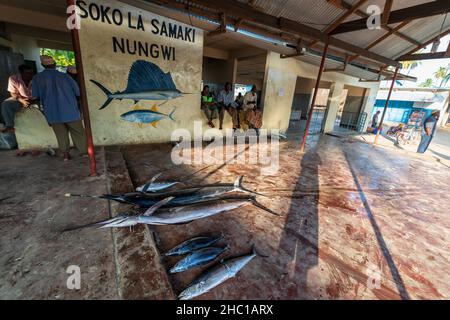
x,y
191,292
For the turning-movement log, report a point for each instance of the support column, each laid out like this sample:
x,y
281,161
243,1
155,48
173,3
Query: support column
x,y
313,102
386,105
335,100
84,103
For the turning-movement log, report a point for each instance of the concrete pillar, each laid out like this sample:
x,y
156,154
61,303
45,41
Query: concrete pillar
x,y
336,92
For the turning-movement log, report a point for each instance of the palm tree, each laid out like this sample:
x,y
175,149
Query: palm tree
x,y
443,74
427,83
410,65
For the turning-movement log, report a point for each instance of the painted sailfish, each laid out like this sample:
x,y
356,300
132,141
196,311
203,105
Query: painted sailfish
x,y
145,116
146,81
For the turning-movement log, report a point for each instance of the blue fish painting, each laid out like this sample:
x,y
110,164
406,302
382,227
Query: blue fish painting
x,y
146,81
145,116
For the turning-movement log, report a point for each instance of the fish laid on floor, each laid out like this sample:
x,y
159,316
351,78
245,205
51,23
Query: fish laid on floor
x,y
192,245
182,197
154,186
177,215
144,116
216,275
146,81
197,259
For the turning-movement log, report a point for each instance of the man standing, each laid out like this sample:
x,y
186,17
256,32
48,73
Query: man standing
x,y
428,131
226,102
375,119
58,93
19,86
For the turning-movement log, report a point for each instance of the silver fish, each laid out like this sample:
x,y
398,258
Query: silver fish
x,y
154,186
198,258
192,245
178,215
215,276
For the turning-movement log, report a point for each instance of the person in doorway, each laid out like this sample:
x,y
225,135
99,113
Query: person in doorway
x,y
428,131
208,106
226,102
19,87
375,119
58,93
252,113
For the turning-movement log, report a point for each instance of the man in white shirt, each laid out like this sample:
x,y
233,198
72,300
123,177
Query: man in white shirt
x,y
226,102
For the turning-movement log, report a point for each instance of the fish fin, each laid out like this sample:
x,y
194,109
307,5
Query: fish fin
x,y
147,76
238,185
156,206
154,108
171,114
106,91
155,177
137,107
238,182
154,124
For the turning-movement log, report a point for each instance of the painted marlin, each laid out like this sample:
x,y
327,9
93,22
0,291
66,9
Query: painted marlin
x,y
192,245
182,197
146,81
198,258
216,276
146,116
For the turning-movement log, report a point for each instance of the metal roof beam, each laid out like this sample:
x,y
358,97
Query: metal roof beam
x,y
246,12
411,13
344,5
425,44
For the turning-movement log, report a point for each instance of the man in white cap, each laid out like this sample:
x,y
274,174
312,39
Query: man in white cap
x,y
58,93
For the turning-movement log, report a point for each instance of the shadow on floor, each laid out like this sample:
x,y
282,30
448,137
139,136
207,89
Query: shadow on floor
x,y
299,238
381,242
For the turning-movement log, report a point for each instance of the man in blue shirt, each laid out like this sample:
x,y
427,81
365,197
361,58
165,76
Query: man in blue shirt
x,y
58,93
428,131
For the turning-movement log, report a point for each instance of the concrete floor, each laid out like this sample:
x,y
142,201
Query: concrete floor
x,y
351,215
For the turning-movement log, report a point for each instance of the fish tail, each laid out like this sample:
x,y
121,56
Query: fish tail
x,y
238,185
171,114
106,91
256,253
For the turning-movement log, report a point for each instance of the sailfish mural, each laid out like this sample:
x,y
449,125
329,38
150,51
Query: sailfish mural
x,y
146,81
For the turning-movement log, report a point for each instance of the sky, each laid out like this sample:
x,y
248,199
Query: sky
x,y
426,69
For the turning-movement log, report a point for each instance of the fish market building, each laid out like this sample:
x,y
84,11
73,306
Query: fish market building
x,y
192,49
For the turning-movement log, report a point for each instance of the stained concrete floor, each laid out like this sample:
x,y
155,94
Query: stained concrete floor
x,y
357,222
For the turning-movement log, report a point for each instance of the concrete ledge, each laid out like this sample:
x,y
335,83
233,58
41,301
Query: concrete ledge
x,y
33,131
140,273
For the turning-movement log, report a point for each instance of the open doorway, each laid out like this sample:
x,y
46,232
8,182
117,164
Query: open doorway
x,y
350,115
301,105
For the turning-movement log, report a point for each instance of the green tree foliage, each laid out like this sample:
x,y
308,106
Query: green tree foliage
x,y
427,83
62,58
443,74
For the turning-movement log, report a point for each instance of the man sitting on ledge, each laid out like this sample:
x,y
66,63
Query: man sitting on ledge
x,y
58,93
19,86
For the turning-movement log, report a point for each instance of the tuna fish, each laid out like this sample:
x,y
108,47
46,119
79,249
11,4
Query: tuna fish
x,y
198,258
146,116
216,276
192,245
146,81
182,197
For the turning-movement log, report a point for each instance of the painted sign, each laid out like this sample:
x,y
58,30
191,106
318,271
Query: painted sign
x,y
142,71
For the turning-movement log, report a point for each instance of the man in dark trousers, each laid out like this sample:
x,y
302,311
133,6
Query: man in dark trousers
x,y
58,93
428,131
